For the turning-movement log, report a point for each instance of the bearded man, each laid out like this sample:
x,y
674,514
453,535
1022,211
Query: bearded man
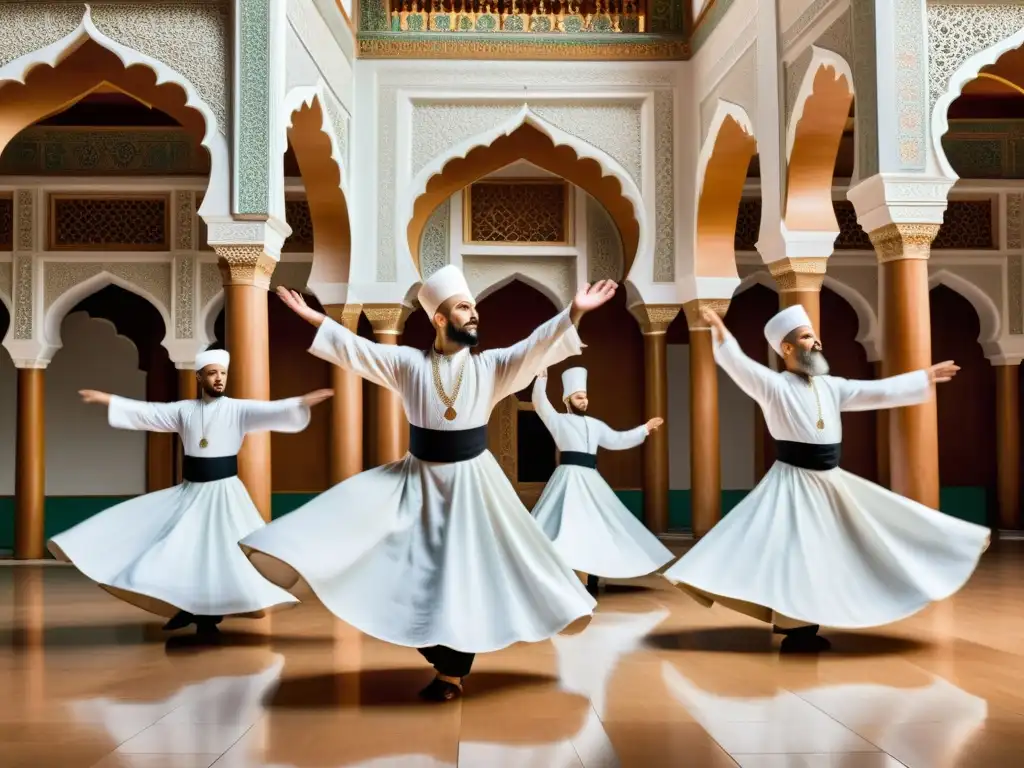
x,y
434,551
812,544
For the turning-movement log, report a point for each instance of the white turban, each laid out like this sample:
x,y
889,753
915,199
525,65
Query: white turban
x,y
212,357
441,286
573,380
783,324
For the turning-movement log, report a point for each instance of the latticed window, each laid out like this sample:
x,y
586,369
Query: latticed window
x,y
296,213
518,212
109,223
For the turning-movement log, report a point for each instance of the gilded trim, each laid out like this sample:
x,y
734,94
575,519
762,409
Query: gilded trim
x,y
468,45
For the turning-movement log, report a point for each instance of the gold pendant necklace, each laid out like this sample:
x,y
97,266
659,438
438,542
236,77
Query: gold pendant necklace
x,y
821,421
448,400
203,442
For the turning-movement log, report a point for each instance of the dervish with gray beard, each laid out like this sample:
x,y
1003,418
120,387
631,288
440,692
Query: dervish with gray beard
x,y
812,544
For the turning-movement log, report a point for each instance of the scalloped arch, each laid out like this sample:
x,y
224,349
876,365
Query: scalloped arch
x,y
963,74
216,201
529,137
989,316
63,304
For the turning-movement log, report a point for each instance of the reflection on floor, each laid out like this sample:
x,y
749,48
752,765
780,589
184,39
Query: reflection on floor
x,y
655,680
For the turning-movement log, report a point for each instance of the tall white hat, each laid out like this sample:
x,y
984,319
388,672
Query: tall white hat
x,y
573,380
783,324
212,357
441,286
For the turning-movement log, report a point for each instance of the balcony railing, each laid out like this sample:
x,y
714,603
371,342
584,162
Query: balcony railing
x,y
519,16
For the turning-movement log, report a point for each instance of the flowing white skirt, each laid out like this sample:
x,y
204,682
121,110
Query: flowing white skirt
x,y
175,549
422,554
592,530
830,548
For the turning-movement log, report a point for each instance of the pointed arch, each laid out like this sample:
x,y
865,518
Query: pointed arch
x,y
542,288
527,136
54,315
989,316
721,172
45,81
961,76
812,142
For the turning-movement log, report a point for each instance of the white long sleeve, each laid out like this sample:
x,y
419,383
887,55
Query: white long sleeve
x,y
893,392
289,415
613,440
550,343
382,364
542,406
756,380
124,413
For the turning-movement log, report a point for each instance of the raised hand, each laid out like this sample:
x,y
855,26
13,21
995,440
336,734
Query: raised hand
x,y
590,297
942,372
317,397
91,396
718,328
294,301
654,423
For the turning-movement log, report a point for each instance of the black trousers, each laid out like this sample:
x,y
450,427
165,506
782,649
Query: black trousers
x,y
448,662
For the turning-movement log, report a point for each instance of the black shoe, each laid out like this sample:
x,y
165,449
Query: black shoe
x,y
207,625
180,620
803,640
593,585
440,690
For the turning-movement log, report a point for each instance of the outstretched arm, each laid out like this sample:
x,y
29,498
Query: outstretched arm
x,y
613,440
551,343
541,405
290,415
378,363
895,391
123,413
756,380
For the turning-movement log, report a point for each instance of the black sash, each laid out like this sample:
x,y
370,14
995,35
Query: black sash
x,y
578,459
197,469
447,447
808,455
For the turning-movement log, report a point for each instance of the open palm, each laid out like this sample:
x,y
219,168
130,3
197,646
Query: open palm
x,y
590,297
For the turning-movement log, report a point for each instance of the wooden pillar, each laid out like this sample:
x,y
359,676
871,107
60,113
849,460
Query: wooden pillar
x,y
30,467
188,389
705,448
160,446
246,271
903,251
1008,444
654,322
346,406
392,429
881,437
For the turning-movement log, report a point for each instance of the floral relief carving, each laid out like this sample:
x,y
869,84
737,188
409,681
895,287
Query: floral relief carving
x,y
612,127
184,310
28,26
894,242
26,221
386,108
23,290
437,127
253,118
210,283
245,265
153,278
911,96
434,247
664,189
604,245
184,208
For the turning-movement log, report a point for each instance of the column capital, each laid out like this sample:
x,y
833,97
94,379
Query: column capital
x,y
387,319
245,265
654,319
30,354
804,273
346,314
694,311
182,352
896,242
1003,361
888,198
269,233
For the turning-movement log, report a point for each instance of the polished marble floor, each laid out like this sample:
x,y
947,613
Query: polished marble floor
x,y
655,680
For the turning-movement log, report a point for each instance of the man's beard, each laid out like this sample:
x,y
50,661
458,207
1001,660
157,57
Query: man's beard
x,y
811,362
210,392
575,409
461,336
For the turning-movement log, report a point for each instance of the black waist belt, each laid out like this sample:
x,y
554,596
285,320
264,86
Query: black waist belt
x,y
447,447
808,455
578,459
197,469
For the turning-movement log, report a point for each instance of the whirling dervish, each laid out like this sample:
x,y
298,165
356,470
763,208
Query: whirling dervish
x,y
435,551
591,529
812,544
175,552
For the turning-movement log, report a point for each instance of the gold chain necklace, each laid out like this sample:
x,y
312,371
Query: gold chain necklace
x,y
448,400
203,442
821,421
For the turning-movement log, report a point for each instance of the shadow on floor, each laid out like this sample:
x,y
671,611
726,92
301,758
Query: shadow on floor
x,y
757,640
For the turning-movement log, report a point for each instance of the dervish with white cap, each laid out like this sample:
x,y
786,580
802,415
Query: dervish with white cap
x,y
174,552
435,551
591,529
812,544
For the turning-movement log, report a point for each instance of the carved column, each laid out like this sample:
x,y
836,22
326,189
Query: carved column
x,y
392,431
903,251
654,322
346,406
1008,443
705,450
246,270
30,466
799,281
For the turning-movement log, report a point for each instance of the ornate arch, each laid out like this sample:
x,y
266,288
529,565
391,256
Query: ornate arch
x,y
542,288
721,172
989,316
812,141
54,314
47,80
529,137
208,318
313,128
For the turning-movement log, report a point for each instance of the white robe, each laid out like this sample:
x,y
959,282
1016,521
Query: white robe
x,y
419,553
826,547
591,529
177,548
